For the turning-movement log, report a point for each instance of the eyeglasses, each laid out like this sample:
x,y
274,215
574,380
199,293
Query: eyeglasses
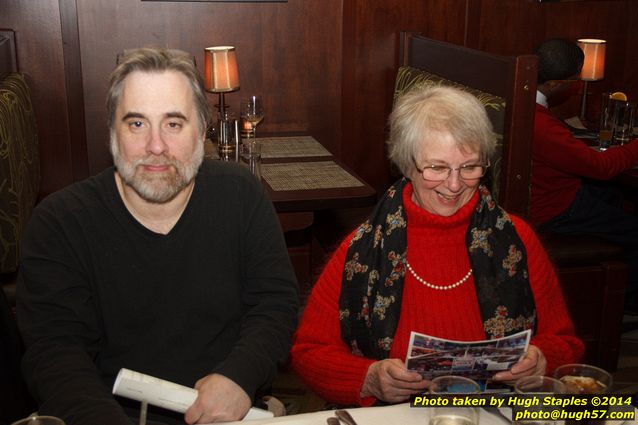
x,y
439,173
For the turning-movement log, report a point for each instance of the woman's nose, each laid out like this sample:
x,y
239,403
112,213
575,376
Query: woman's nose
x,y
453,181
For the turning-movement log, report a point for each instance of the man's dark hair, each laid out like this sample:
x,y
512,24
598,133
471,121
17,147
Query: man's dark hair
x,y
558,59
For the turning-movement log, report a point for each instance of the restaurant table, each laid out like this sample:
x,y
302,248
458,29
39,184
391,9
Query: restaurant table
x,y
301,175
398,414
627,180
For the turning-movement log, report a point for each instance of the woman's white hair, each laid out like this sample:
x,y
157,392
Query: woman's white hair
x,y
438,109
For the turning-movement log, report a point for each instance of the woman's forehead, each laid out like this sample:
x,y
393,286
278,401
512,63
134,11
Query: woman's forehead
x,y
442,143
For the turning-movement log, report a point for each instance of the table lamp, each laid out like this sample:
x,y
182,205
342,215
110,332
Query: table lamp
x,y
220,72
593,66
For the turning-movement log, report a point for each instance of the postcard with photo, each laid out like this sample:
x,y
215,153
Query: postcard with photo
x,y
477,360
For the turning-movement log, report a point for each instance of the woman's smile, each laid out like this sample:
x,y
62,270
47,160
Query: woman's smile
x,y
443,197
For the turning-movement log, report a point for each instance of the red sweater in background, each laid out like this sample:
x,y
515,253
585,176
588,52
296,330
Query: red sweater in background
x,y
437,252
560,161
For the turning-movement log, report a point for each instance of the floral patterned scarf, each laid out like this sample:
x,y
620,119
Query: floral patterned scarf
x,y
372,283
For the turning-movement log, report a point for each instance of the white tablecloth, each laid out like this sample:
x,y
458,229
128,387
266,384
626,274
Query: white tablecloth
x,y
399,414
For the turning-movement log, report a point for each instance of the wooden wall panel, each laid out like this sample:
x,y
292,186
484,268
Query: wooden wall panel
x,y
528,23
74,88
630,70
324,67
40,57
370,29
511,27
506,27
288,52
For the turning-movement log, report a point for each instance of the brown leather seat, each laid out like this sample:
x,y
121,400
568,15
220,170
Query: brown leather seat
x,y
575,250
593,277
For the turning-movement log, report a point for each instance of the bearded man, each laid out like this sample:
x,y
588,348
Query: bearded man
x,y
164,264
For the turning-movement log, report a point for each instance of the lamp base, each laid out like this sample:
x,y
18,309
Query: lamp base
x,y
221,106
583,103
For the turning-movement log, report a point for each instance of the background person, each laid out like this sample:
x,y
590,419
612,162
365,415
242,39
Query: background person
x,y
437,256
164,265
569,192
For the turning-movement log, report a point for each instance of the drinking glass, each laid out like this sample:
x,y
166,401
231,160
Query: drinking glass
x,y
607,121
252,111
227,137
623,132
39,420
539,386
251,156
454,415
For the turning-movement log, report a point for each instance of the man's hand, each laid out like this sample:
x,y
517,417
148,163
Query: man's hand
x,y
219,400
390,381
533,363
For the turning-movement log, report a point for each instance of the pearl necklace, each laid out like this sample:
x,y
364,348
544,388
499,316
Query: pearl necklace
x,y
437,287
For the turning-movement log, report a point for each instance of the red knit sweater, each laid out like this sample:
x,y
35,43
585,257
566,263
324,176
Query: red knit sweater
x,y
560,161
437,252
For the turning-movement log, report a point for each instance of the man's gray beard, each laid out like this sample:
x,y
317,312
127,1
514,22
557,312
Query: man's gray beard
x,y
159,189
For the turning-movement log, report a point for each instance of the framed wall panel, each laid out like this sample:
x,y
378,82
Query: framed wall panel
x,y
227,1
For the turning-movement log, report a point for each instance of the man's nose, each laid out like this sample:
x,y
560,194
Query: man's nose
x,y
156,144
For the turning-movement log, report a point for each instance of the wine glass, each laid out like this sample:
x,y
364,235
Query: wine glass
x,y
252,111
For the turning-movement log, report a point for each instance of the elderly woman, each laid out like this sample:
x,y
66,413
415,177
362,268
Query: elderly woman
x,y
437,256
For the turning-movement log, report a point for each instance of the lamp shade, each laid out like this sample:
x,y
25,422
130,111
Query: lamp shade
x,y
594,65
220,69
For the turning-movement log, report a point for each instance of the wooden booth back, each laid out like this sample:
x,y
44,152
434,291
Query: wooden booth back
x,y
506,85
19,160
19,184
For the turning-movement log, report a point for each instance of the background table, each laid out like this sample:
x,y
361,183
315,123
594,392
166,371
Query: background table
x,y
302,177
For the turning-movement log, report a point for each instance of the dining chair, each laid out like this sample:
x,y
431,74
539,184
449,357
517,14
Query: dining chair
x,y
506,85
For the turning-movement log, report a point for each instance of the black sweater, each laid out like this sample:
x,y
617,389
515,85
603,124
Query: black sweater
x,y
98,291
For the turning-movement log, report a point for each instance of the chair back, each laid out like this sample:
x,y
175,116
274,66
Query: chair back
x,y
506,85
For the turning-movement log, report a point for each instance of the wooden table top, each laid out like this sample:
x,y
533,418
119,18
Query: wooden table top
x,y
301,175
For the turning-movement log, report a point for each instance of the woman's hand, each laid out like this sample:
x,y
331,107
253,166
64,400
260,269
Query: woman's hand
x,y
390,381
533,363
